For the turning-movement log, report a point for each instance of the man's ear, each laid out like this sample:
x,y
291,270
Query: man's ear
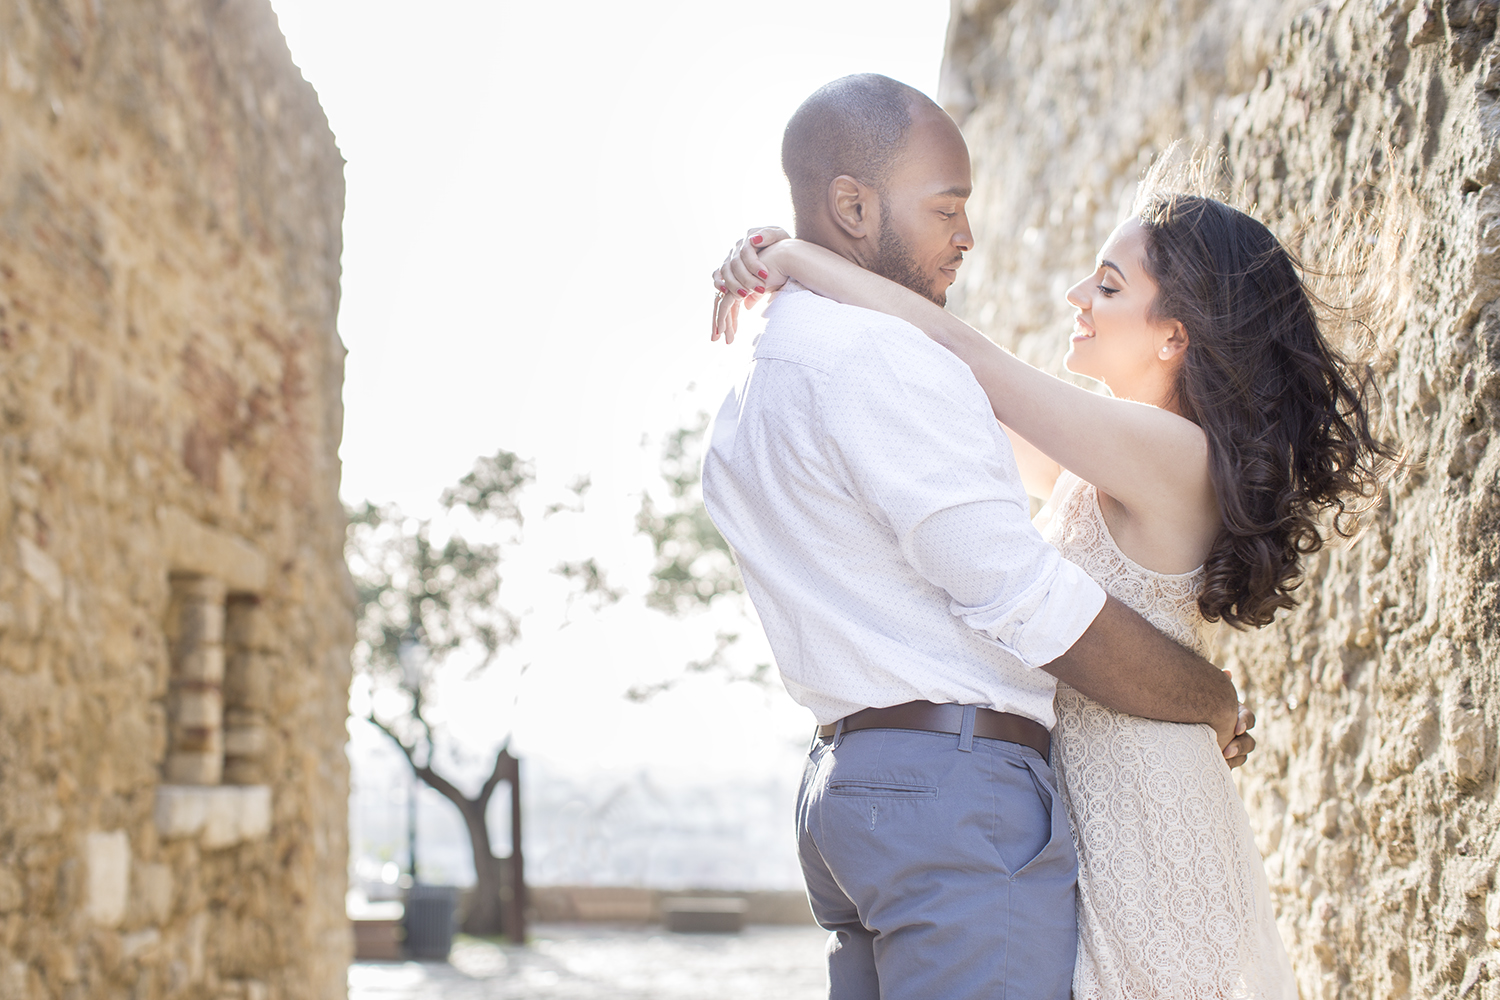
x,y
854,206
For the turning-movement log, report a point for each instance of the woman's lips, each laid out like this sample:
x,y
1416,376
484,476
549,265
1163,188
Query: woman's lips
x,y
1081,330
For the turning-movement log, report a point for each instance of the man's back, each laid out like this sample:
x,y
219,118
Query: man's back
x,y
845,474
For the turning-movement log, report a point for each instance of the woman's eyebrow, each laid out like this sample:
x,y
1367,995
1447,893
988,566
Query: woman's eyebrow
x,y
1115,268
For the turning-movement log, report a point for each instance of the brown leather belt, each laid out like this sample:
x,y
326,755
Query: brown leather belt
x,y
927,717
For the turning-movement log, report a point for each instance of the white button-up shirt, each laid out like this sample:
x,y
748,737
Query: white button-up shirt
x,y
874,507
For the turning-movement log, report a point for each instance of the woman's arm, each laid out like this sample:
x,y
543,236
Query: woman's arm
x,y
1147,458
1038,472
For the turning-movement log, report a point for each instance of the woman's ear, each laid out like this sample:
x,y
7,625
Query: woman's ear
x,y
854,206
1175,344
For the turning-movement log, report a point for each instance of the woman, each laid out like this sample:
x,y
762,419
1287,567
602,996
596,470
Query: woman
x,y
1192,494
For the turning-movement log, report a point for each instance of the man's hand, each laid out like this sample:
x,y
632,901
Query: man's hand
x,y
1124,664
1243,743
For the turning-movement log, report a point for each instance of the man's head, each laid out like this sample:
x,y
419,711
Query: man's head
x,y
880,175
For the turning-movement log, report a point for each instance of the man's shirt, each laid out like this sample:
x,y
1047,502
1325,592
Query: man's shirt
x,y
874,507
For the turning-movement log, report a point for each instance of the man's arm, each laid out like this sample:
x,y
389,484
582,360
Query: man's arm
x,y
914,434
1123,663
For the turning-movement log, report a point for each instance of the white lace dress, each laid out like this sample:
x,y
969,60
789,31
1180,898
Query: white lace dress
x,y
1172,893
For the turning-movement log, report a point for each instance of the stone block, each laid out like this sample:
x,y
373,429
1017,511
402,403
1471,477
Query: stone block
x,y
11,893
198,708
186,767
108,858
154,891
200,616
704,914
247,740
247,625
1464,744
219,817
244,771
194,547
247,680
15,981
41,567
200,665
141,944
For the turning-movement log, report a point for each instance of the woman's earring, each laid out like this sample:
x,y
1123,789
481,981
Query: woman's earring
x,y
1164,352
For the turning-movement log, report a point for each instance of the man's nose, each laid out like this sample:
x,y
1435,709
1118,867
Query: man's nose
x,y
963,239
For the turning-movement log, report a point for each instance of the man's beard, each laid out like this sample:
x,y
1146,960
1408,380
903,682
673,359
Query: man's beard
x,y
893,260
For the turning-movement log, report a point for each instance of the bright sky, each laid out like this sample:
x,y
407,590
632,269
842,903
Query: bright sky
x,y
537,192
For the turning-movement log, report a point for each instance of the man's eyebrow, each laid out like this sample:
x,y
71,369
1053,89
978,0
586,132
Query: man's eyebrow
x,y
1115,268
954,192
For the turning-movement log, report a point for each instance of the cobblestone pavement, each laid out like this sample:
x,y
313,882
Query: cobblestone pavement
x,y
592,962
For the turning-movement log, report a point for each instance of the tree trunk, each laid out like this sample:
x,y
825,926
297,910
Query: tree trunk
x,y
486,916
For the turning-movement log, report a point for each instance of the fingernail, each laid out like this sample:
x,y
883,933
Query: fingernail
x,y
761,289
763,274
756,239
741,291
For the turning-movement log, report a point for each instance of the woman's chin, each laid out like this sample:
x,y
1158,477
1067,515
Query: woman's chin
x,y
1077,366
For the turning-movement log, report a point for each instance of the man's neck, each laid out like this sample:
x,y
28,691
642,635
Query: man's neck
x,y
830,237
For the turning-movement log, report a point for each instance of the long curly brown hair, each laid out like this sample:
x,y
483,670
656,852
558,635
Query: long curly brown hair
x,y
1286,415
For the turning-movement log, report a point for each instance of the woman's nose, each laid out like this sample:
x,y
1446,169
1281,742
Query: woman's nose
x,y
1078,295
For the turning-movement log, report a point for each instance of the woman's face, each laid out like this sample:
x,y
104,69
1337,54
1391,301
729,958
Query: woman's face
x,y
1114,338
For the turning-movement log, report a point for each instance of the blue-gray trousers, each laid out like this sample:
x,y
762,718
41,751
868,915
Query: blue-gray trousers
x,y
943,873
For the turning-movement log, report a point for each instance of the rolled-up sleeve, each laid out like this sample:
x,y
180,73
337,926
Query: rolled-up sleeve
x,y
920,448
1004,581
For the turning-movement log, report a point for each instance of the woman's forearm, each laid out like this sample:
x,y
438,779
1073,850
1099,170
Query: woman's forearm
x,y
1129,450
840,279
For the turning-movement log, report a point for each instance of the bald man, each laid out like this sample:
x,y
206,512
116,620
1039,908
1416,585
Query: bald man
x,y
873,505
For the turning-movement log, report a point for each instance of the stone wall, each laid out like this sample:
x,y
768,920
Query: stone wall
x,y
1373,792
174,611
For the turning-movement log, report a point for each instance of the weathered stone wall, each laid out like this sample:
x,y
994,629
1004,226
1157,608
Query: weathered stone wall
x,y
174,611
1373,791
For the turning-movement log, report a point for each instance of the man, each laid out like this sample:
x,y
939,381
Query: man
x,y
874,507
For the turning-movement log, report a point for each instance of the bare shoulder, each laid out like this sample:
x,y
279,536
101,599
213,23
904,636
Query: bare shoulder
x,y
1171,517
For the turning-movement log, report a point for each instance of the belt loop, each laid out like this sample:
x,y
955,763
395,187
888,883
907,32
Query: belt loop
x,y
838,733
966,730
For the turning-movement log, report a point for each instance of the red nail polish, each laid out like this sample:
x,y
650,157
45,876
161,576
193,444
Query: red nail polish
x,y
741,291
756,240
761,289
763,274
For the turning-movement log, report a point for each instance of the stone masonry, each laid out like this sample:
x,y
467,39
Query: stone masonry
x,y
1374,791
175,616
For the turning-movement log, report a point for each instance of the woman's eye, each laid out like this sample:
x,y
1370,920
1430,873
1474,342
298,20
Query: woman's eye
x,y
1106,290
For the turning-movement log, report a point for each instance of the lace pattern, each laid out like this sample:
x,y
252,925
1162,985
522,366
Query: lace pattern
x,y
1172,894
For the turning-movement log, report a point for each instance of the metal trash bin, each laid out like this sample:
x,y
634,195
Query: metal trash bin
x,y
431,912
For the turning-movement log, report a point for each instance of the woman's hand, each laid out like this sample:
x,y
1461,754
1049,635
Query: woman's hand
x,y
744,277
